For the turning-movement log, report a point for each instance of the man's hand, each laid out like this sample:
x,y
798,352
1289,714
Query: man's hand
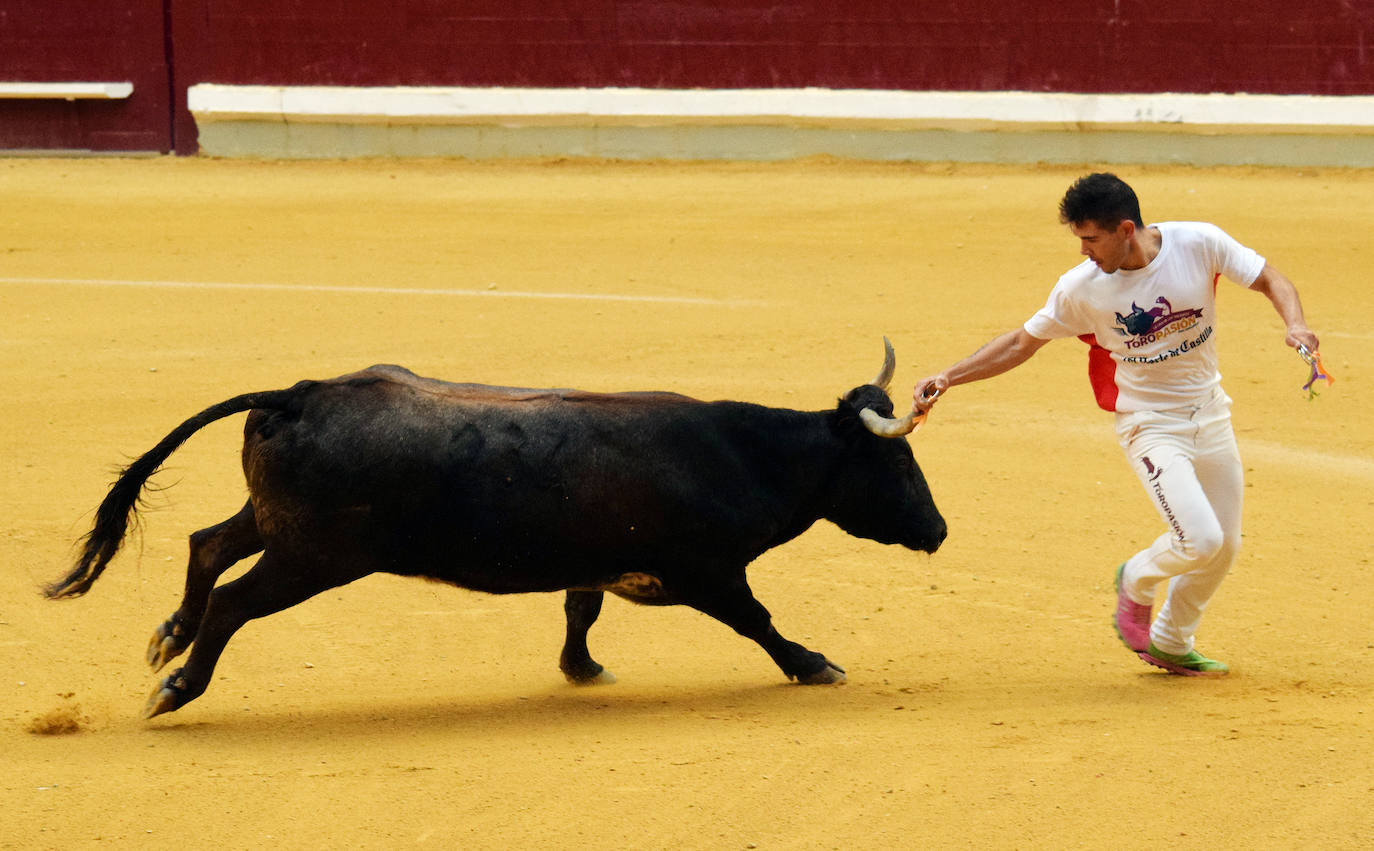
x,y
927,391
1302,336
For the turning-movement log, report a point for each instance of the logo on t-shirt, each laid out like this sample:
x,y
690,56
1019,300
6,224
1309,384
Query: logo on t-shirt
x,y
1147,326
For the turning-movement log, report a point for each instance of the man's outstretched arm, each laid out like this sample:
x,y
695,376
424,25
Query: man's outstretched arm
x,y
996,357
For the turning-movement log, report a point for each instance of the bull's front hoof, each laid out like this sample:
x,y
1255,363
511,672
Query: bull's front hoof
x,y
829,675
167,643
600,678
169,695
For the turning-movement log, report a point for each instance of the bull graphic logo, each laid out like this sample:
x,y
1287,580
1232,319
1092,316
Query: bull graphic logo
x,y
1143,323
1150,469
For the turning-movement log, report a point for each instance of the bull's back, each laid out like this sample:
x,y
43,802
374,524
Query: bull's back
x,y
385,424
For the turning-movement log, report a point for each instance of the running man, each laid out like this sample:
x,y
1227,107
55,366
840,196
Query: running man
x,y
1145,303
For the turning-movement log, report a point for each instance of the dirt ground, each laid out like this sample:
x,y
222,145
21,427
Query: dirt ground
x,y
989,704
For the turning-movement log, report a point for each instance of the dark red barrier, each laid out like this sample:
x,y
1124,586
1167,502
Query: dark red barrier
x,y
1270,46
1111,46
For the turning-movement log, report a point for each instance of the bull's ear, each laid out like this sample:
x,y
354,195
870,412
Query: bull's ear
x,y
853,412
845,420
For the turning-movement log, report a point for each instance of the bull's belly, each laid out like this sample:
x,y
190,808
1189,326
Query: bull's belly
x,y
638,586
350,541
530,563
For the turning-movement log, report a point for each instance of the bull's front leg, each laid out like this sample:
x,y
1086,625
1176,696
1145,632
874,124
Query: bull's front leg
x,y
582,609
733,604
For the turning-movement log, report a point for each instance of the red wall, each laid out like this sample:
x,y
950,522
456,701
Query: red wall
x,y
1263,46
1276,46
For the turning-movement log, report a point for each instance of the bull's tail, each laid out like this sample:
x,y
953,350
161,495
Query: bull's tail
x,y
121,503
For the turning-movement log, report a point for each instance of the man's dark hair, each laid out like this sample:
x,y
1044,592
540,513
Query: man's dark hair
x,y
1100,197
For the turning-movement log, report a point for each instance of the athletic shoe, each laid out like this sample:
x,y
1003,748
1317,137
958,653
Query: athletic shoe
x,y
1132,619
1190,664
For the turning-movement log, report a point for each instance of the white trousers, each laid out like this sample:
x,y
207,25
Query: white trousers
x,y
1187,460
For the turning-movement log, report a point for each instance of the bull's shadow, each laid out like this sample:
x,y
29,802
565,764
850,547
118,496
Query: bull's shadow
x,y
530,714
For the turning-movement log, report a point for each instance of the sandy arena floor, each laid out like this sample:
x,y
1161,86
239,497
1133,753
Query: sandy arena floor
x,y
989,704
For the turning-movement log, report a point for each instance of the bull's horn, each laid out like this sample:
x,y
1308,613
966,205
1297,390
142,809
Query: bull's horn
x,y
886,427
889,367
876,422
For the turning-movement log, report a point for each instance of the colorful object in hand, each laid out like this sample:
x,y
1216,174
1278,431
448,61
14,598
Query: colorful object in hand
x,y
1314,360
921,417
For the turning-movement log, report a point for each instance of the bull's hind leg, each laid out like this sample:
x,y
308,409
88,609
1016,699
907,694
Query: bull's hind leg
x,y
273,584
734,605
577,664
213,551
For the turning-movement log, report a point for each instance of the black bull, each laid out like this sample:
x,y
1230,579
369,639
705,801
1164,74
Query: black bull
x,y
655,497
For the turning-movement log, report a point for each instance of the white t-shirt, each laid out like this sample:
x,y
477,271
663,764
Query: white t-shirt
x,y
1151,330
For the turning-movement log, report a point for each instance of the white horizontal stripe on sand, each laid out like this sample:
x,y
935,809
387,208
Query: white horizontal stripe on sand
x,y
366,290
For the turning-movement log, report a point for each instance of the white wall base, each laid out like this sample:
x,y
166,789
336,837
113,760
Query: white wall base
x,y
312,122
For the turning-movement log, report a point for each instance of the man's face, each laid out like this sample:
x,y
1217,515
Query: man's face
x,y
1109,249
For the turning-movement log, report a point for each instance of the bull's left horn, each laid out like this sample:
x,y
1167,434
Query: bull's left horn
x,y
889,367
887,427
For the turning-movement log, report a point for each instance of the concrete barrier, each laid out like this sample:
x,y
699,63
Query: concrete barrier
x,y
774,124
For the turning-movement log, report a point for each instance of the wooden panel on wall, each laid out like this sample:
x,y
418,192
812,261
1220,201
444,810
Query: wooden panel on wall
x,y
44,41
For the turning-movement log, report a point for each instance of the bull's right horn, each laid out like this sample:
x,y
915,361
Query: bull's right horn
x,y
888,427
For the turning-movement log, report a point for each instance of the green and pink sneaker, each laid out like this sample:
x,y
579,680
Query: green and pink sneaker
x,y
1132,619
1190,664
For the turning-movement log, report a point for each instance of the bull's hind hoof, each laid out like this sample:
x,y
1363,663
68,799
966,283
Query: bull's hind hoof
x,y
167,643
831,674
169,695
